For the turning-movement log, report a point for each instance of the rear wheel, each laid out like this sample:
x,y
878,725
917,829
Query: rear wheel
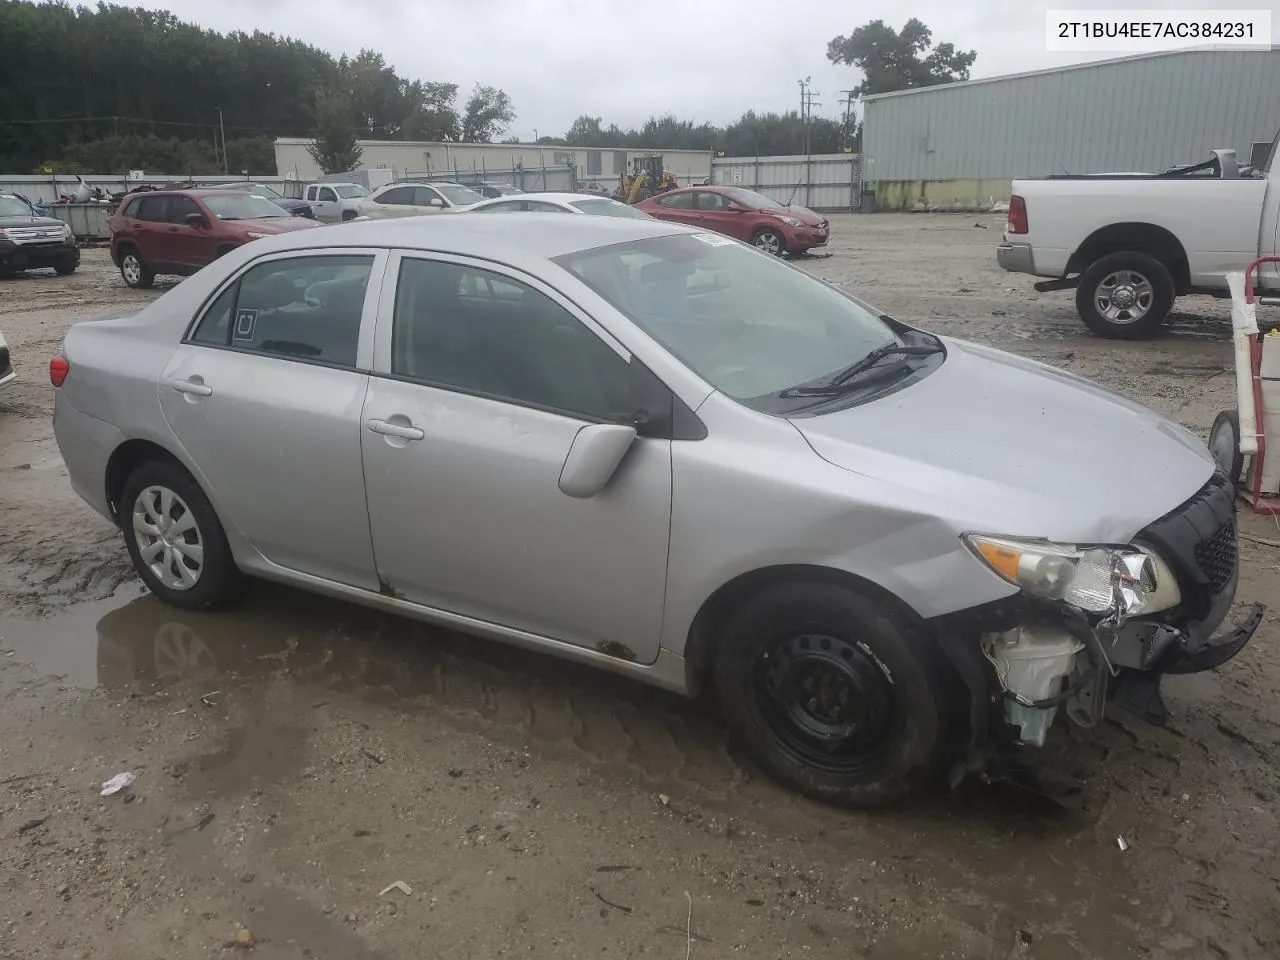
x,y
769,241
1224,444
135,272
1125,296
836,694
174,538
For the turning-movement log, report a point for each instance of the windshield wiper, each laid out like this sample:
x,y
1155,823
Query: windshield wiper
x,y
844,381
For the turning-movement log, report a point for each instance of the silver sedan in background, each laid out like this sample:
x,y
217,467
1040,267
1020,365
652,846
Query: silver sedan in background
x,y
893,555
560,203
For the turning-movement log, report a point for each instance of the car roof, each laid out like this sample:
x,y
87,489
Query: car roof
x,y
548,195
502,235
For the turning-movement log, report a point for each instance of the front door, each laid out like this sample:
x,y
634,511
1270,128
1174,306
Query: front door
x,y
186,243
717,212
324,202
482,380
265,395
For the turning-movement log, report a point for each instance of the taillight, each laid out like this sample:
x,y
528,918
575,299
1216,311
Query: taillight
x,y
1018,215
59,367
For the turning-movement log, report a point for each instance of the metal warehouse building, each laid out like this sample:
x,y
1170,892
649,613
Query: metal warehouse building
x,y
958,145
408,158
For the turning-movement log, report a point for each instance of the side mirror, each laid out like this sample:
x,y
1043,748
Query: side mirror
x,y
594,457
195,220
435,202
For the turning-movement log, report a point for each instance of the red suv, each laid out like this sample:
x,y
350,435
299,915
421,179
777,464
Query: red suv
x,y
180,231
744,214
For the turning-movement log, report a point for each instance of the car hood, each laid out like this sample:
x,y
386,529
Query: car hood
x,y
277,224
7,222
1005,445
803,214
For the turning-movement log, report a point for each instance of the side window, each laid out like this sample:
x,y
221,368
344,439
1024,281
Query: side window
x,y
327,193
179,208
131,208
305,308
594,165
396,195
536,206
471,330
423,196
677,201
311,194
712,201
153,208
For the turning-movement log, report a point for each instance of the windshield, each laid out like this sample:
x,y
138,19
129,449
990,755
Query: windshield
x,y
13,207
241,206
747,323
750,198
457,195
349,190
602,207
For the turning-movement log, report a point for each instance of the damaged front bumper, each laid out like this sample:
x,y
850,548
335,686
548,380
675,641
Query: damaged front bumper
x,y
1024,659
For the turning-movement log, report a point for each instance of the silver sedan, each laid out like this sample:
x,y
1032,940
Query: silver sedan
x,y
656,450
560,203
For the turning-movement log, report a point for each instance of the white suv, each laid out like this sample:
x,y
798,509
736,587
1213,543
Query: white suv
x,y
416,199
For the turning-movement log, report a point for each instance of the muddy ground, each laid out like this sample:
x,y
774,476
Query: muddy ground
x,y
295,756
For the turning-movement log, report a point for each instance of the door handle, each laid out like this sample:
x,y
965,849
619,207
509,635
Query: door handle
x,y
173,229
192,387
403,431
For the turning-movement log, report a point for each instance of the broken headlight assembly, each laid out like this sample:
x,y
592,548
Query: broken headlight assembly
x,y
1112,582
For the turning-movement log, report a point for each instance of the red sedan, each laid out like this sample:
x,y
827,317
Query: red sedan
x,y
743,214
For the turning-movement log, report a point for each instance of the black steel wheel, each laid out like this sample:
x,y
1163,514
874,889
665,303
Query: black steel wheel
x,y
842,696
828,699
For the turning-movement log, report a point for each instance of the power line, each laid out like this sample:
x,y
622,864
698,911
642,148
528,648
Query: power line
x,y
212,125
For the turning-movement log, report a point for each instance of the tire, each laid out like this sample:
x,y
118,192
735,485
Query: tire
x,y
905,699
1224,444
770,241
66,268
1122,274
134,270
211,582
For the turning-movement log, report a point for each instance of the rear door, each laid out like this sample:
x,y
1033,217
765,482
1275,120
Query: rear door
x,y
265,394
152,229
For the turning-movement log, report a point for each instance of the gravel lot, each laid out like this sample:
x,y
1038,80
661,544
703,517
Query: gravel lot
x,y
295,756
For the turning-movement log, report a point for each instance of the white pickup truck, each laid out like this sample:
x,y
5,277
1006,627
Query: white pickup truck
x,y
1130,243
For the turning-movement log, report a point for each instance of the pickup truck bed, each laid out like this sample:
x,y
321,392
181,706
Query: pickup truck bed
x,y
1131,243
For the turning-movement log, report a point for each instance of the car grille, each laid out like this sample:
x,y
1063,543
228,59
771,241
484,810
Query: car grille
x,y
34,234
1216,557
1198,540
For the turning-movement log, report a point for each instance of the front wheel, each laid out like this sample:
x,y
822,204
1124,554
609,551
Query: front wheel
x,y
769,241
1125,296
174,538
66,268
1224,444
836,694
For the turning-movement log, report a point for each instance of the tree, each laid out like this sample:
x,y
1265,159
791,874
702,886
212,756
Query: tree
x,y
892,60
432,114
335,148
487,115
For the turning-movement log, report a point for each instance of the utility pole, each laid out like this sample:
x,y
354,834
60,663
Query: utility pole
x,y
848,111
806,115
223,131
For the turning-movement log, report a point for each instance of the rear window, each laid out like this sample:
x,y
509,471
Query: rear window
x,y
603,207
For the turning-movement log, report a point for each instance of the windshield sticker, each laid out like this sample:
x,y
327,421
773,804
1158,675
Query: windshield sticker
x,y
245,321
715,239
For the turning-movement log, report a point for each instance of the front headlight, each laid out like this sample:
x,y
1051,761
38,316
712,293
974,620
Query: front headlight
x,y
792,221
66,231
1126,581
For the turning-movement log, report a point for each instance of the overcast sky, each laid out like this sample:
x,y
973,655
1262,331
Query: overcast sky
x,y
623,61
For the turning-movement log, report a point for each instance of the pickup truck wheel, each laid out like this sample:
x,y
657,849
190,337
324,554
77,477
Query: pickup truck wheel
x,y
1125,296
836,694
